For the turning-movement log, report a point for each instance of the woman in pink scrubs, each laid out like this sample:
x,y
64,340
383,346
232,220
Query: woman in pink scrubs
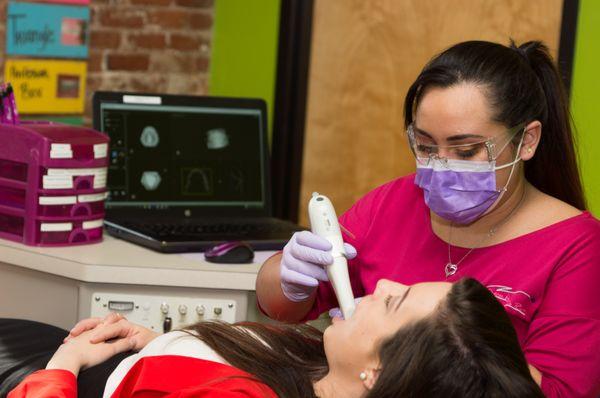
x,y
497,197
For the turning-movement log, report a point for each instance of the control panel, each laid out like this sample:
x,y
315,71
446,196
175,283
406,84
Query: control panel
x,y
162,313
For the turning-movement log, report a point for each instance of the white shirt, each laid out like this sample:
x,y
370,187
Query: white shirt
x,y
172,343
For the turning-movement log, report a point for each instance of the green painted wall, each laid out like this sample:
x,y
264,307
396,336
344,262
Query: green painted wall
x,y
72,120
244,50
585,98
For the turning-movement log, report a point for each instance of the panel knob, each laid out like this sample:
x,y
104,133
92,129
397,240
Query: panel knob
x,y
182,309
164,308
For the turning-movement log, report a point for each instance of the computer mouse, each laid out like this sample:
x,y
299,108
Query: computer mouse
x,y
237,252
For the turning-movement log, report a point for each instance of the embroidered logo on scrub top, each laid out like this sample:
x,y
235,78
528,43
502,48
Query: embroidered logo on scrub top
x,y
516,301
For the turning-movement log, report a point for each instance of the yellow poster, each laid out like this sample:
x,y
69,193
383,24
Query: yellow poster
x,y
47,86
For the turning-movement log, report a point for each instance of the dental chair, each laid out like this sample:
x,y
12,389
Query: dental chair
x,y
27,346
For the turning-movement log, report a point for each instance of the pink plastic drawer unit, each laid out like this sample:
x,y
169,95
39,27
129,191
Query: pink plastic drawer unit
x,y
52,183
73,232
75,206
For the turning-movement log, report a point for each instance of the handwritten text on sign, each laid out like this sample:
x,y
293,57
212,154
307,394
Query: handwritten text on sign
x,y
47,86
44,30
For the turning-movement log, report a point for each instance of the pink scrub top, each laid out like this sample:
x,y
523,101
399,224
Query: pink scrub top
x,y
547,280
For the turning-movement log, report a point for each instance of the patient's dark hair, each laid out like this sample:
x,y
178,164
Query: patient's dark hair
x,y
466,348
522,84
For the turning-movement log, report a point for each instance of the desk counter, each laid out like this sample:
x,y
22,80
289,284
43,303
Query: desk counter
x,y
56,285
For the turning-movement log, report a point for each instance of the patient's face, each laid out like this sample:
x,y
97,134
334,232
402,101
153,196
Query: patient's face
x,y
351,344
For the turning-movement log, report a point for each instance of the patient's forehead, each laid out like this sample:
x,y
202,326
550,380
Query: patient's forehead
x,y
424,297
436,290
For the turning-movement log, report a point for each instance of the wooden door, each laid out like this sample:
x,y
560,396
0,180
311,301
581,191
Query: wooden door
x,y
364,56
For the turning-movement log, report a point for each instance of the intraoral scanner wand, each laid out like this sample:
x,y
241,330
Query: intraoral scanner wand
x,y
324,222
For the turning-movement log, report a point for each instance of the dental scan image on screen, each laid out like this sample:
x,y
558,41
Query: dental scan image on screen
x,y
184,155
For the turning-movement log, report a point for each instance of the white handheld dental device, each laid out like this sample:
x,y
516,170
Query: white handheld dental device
x,y
323,222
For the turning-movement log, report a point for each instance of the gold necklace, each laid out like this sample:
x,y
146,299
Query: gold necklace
x,y
452,267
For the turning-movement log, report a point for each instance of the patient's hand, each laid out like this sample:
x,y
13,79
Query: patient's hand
x,y
113,326
140,335
79,353
91,323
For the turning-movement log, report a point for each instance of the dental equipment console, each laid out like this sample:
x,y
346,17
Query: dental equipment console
x,y
323,222
165,312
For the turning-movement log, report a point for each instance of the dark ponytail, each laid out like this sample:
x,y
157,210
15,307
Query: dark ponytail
x,y
553,169
522,85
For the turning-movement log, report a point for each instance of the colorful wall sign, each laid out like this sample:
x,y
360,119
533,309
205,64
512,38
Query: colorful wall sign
x,y
45,30
48,86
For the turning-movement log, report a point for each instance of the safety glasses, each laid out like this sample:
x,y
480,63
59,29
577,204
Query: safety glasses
x,y
425,150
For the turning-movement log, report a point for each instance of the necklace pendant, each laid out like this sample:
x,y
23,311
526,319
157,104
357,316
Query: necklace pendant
x,y
450,269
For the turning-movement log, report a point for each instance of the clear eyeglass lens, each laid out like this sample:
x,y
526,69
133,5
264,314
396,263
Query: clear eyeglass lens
x,y
425,150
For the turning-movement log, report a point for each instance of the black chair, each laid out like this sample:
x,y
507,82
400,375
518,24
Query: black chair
x,y
27,346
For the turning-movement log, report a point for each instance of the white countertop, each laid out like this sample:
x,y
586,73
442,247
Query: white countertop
x,y
117,261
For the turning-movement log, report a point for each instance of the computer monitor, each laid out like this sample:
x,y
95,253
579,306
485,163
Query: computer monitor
x,y
170,151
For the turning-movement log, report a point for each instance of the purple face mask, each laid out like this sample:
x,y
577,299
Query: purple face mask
x,y
460,191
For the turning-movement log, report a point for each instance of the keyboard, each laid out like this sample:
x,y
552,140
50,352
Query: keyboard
x,y
197,229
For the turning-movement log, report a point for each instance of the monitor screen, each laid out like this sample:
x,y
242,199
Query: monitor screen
x,y
166,155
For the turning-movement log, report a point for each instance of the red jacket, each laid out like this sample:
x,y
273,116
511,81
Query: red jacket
x,y
167,376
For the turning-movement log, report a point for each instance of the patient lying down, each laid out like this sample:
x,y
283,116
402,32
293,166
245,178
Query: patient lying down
x,y
425,340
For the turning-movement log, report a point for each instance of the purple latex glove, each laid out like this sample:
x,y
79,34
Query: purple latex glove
x,y
304,257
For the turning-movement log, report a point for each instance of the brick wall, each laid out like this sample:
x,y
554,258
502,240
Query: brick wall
x,y
158,46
